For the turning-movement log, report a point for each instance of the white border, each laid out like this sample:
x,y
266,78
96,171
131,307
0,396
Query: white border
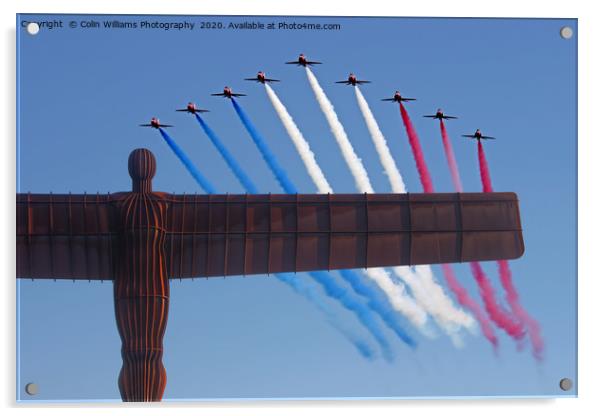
x,y
590,28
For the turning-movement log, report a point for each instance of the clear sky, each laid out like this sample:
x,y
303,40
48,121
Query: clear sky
x,y
82,93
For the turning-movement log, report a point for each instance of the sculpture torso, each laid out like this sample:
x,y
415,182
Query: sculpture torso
x,y
141,286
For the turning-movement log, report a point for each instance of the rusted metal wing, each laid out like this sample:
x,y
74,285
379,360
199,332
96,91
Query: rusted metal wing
x,y
73,236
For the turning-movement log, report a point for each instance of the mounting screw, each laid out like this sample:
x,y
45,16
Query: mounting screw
x,y
566,384
31,389
566,32
33,28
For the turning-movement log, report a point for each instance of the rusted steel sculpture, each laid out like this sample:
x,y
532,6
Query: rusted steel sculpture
x,y
141,239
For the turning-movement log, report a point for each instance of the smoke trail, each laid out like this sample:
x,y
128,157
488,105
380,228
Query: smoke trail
x,y
265,151
484,168
429,293
329,285
425,288
364,315
469,303
506,275
496,313
425,177
384,154
302,289
355,164
313,169
203,183
461,294
396,293
512,297
451,158
242,177
374,297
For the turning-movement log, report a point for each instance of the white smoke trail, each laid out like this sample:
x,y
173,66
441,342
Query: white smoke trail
x,y
400,299
380,143
427,291
355,164
396,292
302,146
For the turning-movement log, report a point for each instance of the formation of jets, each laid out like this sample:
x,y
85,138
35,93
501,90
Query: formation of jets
x,y
303,61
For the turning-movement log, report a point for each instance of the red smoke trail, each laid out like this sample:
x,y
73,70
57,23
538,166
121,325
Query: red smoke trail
x,y
484,167
465,300
497,314
425,177
451,158
454,285
512,298
506,276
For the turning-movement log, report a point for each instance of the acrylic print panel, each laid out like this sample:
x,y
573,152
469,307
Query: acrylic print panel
x,y
113,314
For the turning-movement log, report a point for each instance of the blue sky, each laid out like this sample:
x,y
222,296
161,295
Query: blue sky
x,y
82,93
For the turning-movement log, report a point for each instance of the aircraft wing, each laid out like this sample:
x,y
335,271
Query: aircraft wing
x,y
293,63
388,99
220,94
363,82
271,80
145,125
470,136
238,95
449,117
342,82
487,138
252,79
166,125
182,109
430,116
313,63
408,99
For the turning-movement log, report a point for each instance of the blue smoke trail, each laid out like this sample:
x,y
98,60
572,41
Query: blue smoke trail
x,y
330,286
242,177
295,283
267,154
307,291
379,304
196,174
363,314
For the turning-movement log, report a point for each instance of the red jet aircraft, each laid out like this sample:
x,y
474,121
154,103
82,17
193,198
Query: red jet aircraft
x,y
228,93
302,61
261,78
192,109
352,80
439,115
477,135
155,123
397,98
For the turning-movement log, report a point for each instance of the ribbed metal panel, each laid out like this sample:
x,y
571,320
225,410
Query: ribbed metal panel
x,y
71,236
